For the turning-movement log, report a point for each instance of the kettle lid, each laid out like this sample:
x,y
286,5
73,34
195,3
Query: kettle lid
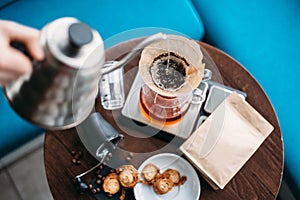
x,y
73,43
80,34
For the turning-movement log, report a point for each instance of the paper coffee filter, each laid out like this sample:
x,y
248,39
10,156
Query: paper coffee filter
x,y
182,47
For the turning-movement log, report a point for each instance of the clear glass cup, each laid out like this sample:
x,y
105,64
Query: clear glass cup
x,y
111,87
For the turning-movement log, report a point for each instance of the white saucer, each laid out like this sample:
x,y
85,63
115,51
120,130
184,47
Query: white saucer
x,y
190,190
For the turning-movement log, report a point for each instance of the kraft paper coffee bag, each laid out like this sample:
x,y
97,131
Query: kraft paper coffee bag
x,y
226,140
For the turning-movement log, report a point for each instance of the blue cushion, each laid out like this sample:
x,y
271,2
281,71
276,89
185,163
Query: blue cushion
x,y
264,37
4,3
127,18
14,131
111,17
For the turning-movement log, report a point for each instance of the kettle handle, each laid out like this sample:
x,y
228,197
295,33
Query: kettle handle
x,y
21,47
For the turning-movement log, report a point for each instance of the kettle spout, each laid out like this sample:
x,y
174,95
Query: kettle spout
x,y
136,50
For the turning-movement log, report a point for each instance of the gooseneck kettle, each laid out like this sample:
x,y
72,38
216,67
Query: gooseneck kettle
x,y
59,92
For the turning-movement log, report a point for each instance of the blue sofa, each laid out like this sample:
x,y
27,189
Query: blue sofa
x,y
263,35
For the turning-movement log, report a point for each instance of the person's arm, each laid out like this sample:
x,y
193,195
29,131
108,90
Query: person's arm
x,y
13,63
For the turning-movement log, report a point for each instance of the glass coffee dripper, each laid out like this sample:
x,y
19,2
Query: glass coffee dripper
x,y
171,69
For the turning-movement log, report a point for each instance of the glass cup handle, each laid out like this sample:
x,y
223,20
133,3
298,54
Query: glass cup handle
x,y
207,75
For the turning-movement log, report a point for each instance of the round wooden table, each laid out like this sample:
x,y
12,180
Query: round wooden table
x,y
259,178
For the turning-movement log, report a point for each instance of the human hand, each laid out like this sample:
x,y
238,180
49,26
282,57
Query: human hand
x,y
14,63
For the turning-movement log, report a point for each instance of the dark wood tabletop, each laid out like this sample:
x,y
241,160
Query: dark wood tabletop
x,y
259,178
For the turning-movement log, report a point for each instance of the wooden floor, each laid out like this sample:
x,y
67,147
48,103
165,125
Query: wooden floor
x,y
22,174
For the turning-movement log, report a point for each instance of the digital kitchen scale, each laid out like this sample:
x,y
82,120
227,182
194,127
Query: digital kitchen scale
x,y
183,128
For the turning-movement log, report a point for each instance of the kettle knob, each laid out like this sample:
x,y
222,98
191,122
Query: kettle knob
x,y
80,34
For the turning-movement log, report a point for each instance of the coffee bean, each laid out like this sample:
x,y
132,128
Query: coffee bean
x,y
128,159
94,191
130,154
77,156
99,176
98,181
90,186
73,152
98,189
78,162
74,161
